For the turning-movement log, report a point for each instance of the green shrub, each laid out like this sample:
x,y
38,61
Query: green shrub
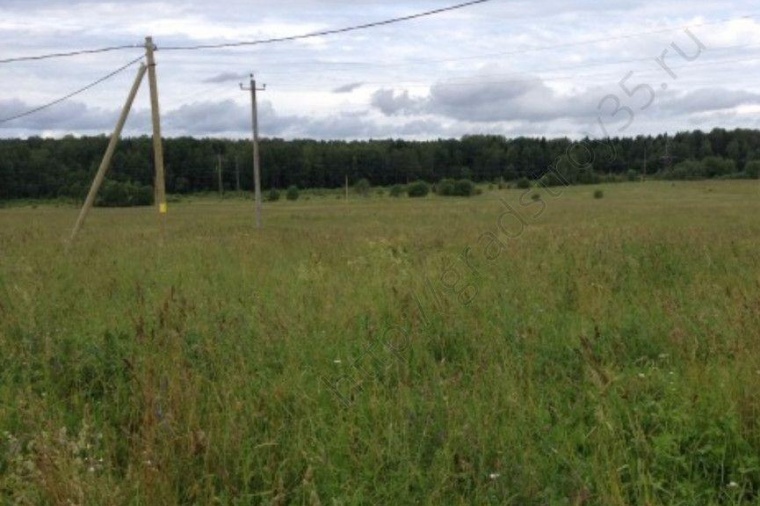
x,y
362,187
451,188
464,188
418,189
752,169
396,190
292,193
598,194
523,183
273,195
445,187
124,194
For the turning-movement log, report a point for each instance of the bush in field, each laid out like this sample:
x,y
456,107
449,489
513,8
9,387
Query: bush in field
x,y
362,187
464,188
444,187
124,194
292,193
273,195
752,169
598,194
396,190
418,189
451,188
523,183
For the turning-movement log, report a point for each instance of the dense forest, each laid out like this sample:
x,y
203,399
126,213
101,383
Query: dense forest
x,y
38,168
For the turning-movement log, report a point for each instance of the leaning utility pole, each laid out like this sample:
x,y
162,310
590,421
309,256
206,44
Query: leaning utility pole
x,y
255,122
106,162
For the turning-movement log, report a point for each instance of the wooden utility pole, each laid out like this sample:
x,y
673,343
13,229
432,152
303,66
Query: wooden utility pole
x,y
255,127
158,150
106,162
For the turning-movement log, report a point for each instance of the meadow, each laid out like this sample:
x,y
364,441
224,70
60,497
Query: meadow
x,y
487,350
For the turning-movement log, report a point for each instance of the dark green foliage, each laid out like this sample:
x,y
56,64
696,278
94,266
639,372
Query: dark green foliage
x,y
464,188
598,194
50,168
292,193
752,169
708,167
418,189
523,183
116,194
273,195
362,187
459,188
396,190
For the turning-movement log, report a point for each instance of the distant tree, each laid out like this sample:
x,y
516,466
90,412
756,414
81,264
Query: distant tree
x,y
273,195
716,166
418,189
523,183
124,194
396,190
752,169
444,187
292,193
362,187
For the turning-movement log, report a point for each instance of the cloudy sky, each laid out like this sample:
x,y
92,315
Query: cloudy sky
x,y
510,67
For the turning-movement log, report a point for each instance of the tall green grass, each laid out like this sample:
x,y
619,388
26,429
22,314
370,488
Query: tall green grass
x,y
371,352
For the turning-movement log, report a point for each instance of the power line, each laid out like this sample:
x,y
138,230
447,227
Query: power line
x,y
69,54
248,43
70,95
325,32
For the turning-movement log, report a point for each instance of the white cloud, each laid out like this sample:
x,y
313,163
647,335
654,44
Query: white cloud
x,y
517,68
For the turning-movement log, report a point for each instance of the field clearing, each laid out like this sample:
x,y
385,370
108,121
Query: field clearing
x,y
387,351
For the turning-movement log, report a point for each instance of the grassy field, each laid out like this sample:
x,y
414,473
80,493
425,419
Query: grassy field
x,y
569,350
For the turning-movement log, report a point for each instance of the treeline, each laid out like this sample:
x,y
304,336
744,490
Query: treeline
x,y
48,168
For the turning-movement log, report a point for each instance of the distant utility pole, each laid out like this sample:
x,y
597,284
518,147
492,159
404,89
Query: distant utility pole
x,y
256,170
237,175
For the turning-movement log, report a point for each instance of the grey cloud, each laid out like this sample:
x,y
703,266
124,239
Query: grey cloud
x,y
347,88
208,117
709,99
66,116
391,104
515,100
225,77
